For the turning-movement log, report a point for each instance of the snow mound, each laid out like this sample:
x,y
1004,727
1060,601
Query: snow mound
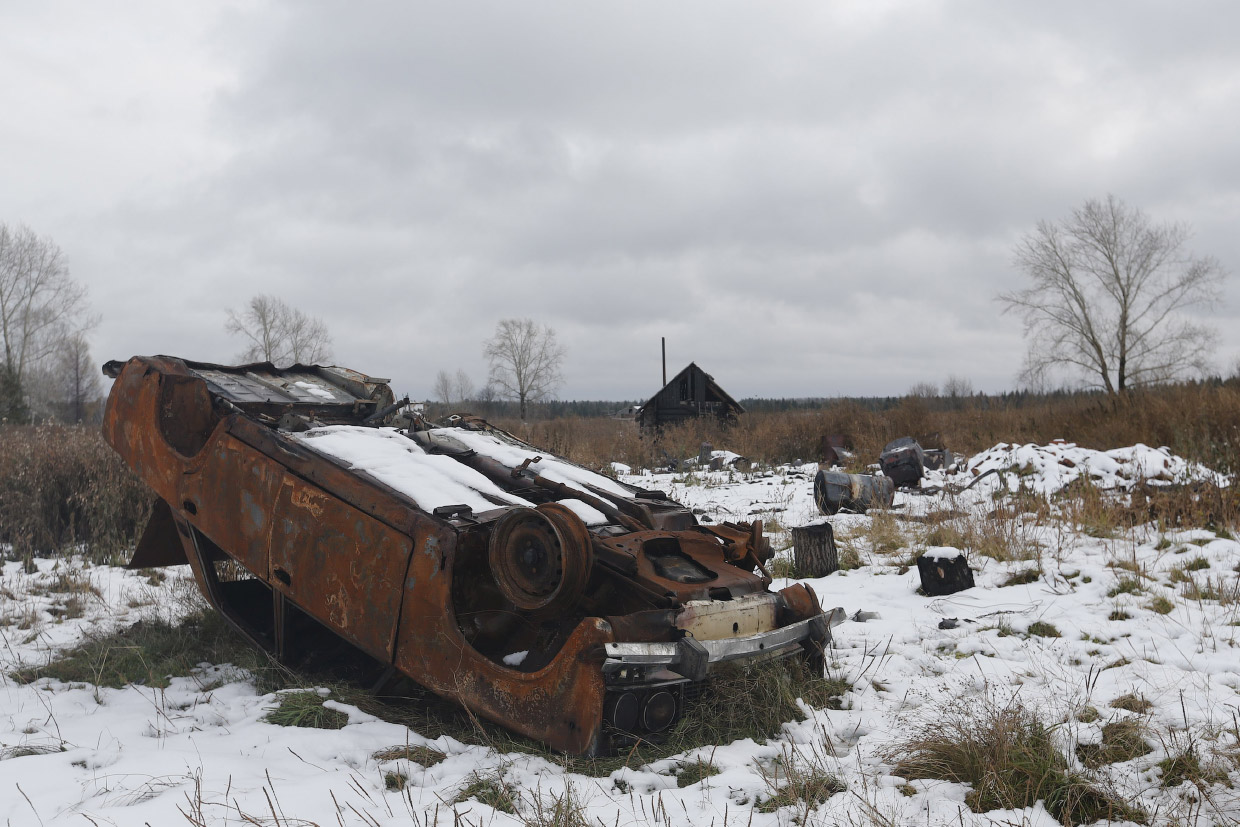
x,y
1047,469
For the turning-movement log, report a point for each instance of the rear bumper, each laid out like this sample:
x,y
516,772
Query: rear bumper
x,y
693,658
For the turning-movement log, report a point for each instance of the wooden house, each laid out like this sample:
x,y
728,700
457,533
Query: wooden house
x,y
692,392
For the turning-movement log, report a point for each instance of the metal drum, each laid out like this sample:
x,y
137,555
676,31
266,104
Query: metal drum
x,y
835,491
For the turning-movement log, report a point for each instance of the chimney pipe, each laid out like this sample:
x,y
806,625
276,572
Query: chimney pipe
x,y
663,341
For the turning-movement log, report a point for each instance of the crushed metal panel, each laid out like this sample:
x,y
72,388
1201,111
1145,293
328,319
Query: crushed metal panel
x,y
470,596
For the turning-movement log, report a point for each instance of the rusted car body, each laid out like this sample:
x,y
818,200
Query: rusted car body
x,y
546,597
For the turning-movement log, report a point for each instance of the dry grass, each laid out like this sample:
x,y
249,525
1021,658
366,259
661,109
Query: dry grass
x,y
1132,702
1222,589
1121,741
884,533
1009,757
150,652
1200,421
1040,628
752,702
564,810
63,489
305,708
425,756
1160,605
697,770
1022,577
801,778
1125,585
491,789
1002,535
1184,762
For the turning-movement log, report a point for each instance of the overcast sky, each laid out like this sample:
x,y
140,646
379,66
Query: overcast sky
x,y
806,198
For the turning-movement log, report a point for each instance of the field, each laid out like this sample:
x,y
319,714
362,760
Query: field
x,y
1091,673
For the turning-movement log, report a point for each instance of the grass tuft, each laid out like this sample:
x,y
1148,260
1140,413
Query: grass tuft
x,y
490,789
1021,578
27,750
797,781
689,774
1160,605
1040,628
1121,741
1125,585
1185,765
304,708
884,533
753,701
561,811
1009,757
425,756
1132,703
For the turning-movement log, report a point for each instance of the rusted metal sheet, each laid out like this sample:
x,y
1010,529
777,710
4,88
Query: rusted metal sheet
x,y
485,570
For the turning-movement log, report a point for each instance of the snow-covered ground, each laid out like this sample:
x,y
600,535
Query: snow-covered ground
x,y
1143,613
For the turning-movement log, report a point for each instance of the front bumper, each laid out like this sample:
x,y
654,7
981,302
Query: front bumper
x,y
692,658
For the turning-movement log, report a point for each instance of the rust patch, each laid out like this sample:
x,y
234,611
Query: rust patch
x,y
305,498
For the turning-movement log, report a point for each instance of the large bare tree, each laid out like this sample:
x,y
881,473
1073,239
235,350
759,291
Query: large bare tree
x,y
1106,298
40,303
278,333
525,361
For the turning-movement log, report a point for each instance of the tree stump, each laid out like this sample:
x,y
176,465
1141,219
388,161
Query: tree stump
x,y
944,572
813,550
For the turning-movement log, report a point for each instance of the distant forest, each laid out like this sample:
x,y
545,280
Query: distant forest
x,y
1010,400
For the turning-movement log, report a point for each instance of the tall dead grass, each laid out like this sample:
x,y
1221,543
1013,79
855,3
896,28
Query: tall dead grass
x,y
1199,421
62,489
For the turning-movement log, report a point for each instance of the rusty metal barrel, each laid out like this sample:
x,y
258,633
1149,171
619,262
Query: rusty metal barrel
x,y
835,491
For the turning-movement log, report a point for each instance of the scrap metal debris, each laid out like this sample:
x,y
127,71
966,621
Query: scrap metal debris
x,y
903,461
319,516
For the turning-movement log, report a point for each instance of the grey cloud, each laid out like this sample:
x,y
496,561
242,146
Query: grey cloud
x,y
805,198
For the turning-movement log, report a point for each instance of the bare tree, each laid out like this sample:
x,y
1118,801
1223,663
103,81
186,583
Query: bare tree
x,y
924,390
464,386
957,387
66,386
279,333
78,379
453,389
1106,298
442,388
525,361
307,338
40,303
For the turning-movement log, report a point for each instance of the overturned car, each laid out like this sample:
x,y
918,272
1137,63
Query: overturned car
x,y
316,511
